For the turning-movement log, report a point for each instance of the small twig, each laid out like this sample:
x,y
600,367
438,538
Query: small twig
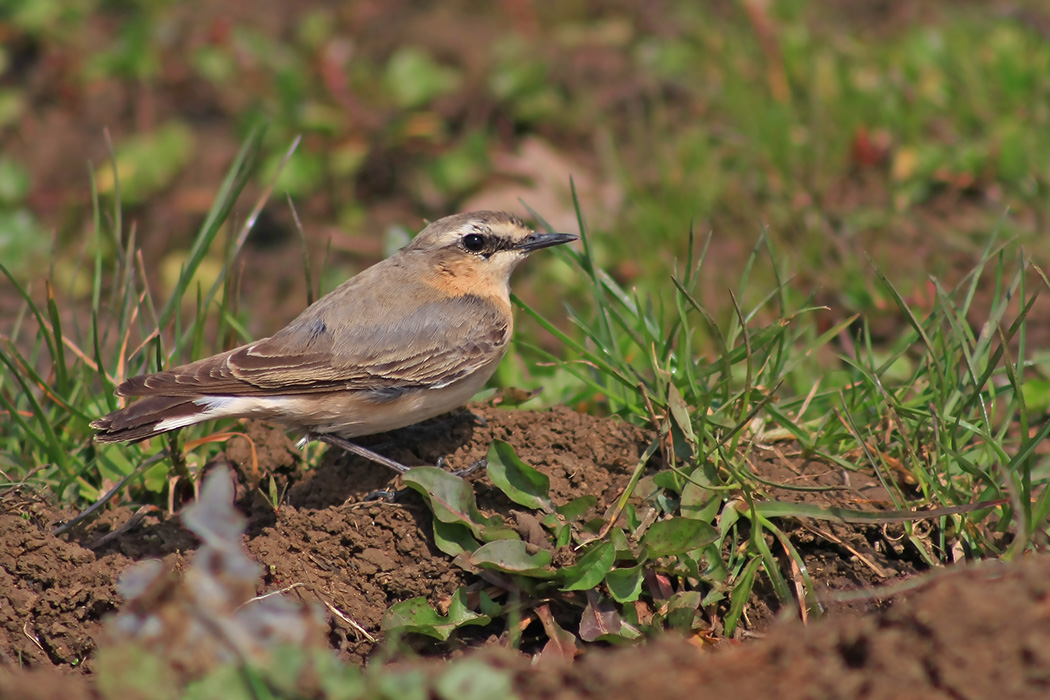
x,y
839,541
353,625
32,637
271,593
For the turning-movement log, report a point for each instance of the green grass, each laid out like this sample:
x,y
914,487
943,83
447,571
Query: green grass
x,y
59,376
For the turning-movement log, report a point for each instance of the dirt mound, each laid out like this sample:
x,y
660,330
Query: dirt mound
x,y
354,557
963,633
974,633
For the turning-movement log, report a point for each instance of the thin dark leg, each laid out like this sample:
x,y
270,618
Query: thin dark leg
x,y
368,454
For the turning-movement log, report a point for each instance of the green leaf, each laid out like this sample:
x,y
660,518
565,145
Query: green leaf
x,y
522,484
782,509
677,535
488,606
698,502
449,497
577,507
625,585
590,569
666,479
454,538
619,540
512,556
681,609
740,595
460,614
681,420
417,616
225,199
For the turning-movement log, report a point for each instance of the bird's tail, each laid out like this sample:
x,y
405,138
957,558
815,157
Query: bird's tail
x,y
146,417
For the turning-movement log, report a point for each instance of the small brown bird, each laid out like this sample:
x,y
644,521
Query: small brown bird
x,y
410,338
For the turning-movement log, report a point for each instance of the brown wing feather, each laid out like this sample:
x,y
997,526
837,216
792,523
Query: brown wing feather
x,y
432,344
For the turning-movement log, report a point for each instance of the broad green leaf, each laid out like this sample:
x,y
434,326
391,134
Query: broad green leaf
x,y
450,498
460,614
488,606
625,585
417,616
512,556
700,503
666,479
491,533
681,609
677,535
454,538
590,569
521,483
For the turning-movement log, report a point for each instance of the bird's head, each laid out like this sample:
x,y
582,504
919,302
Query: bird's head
x,y
480,247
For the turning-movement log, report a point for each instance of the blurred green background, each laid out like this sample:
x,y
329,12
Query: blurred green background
x,y
904,131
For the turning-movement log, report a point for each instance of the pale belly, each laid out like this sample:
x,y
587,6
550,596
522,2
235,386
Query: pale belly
x,y
354,413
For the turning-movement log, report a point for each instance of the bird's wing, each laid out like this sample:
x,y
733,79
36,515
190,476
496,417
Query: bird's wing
x,y
432,345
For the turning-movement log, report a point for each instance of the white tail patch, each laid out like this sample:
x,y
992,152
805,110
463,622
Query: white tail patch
x,y
214,407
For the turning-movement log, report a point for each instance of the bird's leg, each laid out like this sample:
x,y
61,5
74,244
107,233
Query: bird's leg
x,y
382,494
368,454
345,444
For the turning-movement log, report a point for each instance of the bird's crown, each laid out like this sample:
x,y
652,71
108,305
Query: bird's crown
x,y
476,232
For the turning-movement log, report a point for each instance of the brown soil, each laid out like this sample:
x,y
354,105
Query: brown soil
x,y
959,636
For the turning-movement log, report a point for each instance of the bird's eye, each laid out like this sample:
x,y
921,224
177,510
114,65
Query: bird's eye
x,y
474,242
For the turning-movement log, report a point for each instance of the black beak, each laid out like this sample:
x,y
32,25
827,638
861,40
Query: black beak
x,y
535,241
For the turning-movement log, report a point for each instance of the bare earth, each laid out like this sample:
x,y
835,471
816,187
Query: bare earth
x,y
972,633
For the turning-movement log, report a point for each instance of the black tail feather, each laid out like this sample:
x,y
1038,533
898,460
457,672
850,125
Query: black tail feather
x,y
139,420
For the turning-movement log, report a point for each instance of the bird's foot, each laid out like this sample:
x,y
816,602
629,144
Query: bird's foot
x,y
385,495
480,464
442,464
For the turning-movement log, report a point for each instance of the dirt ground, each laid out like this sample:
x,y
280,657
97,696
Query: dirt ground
x,y
360,557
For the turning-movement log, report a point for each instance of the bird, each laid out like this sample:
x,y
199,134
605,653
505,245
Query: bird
x,y
409,338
